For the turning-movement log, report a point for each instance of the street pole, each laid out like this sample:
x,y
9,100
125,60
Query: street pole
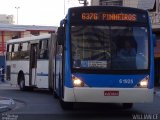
x,y
17,13
64,7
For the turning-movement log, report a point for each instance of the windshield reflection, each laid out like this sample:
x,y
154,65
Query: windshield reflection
x,y
112,48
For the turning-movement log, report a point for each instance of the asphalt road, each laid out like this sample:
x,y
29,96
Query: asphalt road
x,y
41,105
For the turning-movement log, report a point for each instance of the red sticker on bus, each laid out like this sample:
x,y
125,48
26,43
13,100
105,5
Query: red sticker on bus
x,y
111,93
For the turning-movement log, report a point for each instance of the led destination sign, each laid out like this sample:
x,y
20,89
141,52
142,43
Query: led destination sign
x,y
108,16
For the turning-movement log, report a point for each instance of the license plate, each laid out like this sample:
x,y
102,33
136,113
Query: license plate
x,y
111,93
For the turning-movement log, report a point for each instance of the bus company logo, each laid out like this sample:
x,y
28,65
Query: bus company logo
x,y
111,93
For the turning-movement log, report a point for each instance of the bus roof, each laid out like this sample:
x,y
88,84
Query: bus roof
x,y
109,8
31,38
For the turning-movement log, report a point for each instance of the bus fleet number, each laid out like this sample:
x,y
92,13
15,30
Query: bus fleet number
x,y
126,81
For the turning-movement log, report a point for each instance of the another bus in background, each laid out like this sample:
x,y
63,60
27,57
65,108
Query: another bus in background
x,y
28,62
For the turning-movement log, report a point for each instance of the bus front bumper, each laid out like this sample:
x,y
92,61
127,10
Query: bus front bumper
x,y
108,95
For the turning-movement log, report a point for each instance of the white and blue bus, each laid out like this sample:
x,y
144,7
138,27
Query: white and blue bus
x,y
104,54
29,61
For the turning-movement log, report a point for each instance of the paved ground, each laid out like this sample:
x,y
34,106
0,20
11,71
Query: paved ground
x,y
40,104
6,103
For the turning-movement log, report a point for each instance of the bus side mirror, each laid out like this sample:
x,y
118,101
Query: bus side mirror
x,y
154,39
61,35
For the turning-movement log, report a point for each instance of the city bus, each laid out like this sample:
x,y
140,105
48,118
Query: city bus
x,y
28,61
104,54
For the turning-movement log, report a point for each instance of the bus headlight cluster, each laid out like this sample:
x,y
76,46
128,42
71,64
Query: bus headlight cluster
x,y
77,82
143,83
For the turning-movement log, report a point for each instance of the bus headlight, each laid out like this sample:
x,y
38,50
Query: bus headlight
x,y
77,82
143,83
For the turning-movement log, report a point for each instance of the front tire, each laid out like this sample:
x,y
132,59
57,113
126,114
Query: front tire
x,y
66,105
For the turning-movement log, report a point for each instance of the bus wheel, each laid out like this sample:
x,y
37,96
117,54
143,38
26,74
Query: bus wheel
x,y
66,105
22,84
127,105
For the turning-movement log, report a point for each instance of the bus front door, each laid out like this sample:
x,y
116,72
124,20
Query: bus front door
x,y
33,64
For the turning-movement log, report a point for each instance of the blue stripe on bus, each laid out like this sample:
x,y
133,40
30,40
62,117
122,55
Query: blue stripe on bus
x,y
38,74
42,74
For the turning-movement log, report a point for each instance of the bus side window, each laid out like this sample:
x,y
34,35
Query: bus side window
x,y
24,51
45,53
8,56
20,47
18,54
15,53
43,49
12,51
8,48
40,48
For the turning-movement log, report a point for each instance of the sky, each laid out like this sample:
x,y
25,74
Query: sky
x,y
37,12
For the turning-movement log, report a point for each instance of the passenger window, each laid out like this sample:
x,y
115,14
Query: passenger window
x,y
12,48
8,55
24,53
15,48
20,47
25,46
43,49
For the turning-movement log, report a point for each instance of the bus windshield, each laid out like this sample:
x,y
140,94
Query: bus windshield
x,y
110,47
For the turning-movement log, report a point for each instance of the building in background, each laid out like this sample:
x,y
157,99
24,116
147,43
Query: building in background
x,y
107,2
6,19
153,7
10,31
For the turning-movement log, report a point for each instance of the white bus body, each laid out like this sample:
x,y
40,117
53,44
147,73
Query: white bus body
x,y
29,61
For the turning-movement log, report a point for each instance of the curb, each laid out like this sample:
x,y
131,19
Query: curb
x,y
6,104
